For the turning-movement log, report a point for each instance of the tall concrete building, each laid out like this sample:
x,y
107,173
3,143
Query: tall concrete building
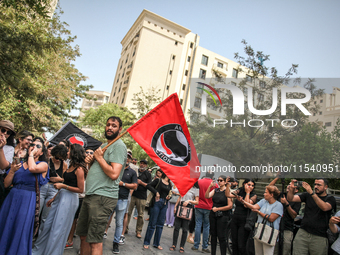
x,y
158,53
99,98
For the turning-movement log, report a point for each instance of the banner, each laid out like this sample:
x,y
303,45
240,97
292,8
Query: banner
x,y
164,135
73,134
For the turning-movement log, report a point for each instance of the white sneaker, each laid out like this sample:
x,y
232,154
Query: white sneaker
x,y
105,236
122,240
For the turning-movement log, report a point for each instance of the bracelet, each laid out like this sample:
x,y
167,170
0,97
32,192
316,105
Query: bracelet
x,y
31,156
67,187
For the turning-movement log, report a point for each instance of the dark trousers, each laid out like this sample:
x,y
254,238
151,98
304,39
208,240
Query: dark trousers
x,y
184,224
239,235
192,223
218,229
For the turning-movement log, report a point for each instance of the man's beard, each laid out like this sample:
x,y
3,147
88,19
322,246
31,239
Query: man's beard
x,y
111,137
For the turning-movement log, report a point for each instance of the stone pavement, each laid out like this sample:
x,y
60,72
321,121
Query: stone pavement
x,y
133,245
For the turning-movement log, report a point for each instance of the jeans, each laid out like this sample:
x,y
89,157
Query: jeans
x,y
47,192
239,235
202,217
120,212
156,221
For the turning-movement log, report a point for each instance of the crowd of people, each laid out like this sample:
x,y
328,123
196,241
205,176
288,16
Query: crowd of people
x,y
49,192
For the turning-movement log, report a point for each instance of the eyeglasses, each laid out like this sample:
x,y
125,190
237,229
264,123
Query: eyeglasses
x,y
89,152
8,132
219,180
36,145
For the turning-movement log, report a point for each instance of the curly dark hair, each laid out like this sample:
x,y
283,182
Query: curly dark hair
x,y
43,157
77,157
59,151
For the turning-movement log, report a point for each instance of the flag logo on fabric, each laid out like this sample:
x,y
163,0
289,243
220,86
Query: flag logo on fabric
x,y
77,138
171,145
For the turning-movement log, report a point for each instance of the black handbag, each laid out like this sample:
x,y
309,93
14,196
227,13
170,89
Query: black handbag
x,y
250,221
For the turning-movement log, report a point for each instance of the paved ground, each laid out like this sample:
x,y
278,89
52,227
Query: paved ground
x,y
133,245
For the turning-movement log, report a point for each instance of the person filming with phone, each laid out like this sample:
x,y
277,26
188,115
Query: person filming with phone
x,y
311,238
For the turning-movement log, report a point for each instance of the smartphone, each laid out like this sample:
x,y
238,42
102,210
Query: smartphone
x,y
16,160
298,184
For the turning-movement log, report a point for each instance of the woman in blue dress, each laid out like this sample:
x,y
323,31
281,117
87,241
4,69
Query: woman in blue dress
x,y
59,221
18,210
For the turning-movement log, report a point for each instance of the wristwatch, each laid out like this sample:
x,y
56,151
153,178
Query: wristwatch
x,y
312,193
124,184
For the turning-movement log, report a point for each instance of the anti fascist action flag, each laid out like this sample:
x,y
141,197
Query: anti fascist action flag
x,y
164,135
73,134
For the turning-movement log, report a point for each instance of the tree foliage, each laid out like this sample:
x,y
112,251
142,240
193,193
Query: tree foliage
x,y
144,101
39,84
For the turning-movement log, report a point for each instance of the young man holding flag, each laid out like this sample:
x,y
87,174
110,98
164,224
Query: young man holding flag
x,y
102,186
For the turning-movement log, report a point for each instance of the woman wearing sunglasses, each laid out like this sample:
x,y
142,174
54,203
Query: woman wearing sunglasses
x,y
219,214
24,138
18,210
53,237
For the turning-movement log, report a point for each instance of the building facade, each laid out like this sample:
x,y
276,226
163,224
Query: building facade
x,y
99,98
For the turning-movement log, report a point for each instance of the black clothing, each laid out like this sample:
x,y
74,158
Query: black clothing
x,y
70,178
315,221
140,192
219,199
129,176
184,224
240,209
287,220
192,223
53,171
162,188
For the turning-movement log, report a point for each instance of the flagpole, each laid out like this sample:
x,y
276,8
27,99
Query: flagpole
x,y
118,137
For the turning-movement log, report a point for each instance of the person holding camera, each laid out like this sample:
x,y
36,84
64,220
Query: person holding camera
x,y
311,238
219,214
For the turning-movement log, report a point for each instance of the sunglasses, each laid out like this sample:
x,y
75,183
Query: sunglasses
x,y
89,152
219,180
36,145
8,132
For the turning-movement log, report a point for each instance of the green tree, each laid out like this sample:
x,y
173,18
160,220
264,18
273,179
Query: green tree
x,y
39,84
144,101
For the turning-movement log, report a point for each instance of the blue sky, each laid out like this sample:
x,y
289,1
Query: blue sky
x,y
300,32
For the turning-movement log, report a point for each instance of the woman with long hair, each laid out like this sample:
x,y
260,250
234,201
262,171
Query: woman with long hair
x,y
267,206
18,210
160,188
239,235
24,138
57,226
219,214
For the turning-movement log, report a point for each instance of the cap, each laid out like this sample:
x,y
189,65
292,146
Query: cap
x,y
143,161
7,124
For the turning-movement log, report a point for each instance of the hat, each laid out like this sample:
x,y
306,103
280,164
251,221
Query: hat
x,y
144,161
7,124
129,155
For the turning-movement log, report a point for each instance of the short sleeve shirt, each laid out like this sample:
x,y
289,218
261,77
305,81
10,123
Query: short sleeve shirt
x,y
9,153
129,176
267,208
97,182
191,194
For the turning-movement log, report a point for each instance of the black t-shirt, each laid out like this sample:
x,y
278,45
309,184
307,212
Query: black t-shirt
x,y
162,188
219,199
140,192
287,220
53,171
315,221
129,176
239,207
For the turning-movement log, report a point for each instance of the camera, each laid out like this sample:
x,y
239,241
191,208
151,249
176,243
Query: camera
x,y
298,184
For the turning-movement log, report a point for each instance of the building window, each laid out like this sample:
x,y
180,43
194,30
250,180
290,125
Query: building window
x,y
134,52
127,57
204,60
262,84
181,101
235,73
120,86
197,102
202,74
121,64
183,87
249,78
260,97
320,113
314,102
123,98
189,58
191,45
123,73
173,57
314,114
219,64
186,73
170,72
167,87
328,124
200,88
115,91
118,78
176,42
321,101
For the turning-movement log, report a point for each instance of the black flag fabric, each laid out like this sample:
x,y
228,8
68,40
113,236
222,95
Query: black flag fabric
x,y
73,134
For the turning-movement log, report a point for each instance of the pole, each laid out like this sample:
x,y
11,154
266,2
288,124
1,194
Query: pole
x,y
118,137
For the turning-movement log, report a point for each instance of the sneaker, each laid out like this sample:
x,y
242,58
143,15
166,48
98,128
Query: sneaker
x,y
105,236
122,240
69,245
194,248
115,249
206,250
